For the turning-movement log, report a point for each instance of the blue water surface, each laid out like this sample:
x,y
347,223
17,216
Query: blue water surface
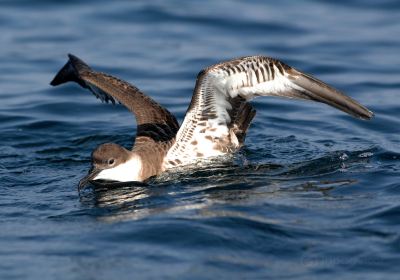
x,y
314,194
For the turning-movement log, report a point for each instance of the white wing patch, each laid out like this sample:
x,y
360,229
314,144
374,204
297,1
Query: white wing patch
x,y
204,131
249,87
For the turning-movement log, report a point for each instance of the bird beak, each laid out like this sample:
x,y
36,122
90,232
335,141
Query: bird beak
x,y
93,172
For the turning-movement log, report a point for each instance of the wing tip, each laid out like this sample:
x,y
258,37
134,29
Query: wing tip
x,y
321,92
366,115
70,72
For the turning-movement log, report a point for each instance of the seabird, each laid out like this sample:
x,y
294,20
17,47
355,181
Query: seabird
x,y
216,121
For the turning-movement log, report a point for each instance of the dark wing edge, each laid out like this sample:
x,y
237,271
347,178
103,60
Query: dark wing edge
x,y
153,120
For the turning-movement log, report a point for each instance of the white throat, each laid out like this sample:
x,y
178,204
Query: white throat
x,y
125,172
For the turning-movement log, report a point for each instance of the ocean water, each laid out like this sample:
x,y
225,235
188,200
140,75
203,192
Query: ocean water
x,y
314,194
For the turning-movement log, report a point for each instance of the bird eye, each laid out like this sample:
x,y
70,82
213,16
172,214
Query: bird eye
x,y
111,161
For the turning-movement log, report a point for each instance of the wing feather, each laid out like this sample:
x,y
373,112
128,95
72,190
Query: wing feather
x,y
154,122
211,124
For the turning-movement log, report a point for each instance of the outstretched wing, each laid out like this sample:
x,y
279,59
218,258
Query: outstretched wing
x,y
153,121
210,122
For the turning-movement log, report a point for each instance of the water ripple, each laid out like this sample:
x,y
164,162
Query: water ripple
x,y
314,193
